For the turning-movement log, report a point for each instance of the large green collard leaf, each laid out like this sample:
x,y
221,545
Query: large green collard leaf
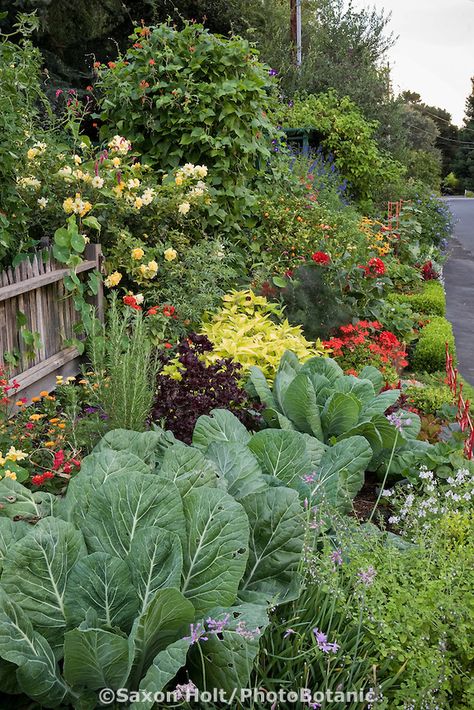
x,y
36,570
165,620
379,404
38,673
283,454
220,425
143,444
103,583
10,532
341,474
8,682
300,406
288,368
95,470
410,425
315,449
262,389
324,366
95,658
363,390
229,658
340,413
216,552
188,468
238,467
276,542
19,502
127,503
369,372
155,561
277,420
165,666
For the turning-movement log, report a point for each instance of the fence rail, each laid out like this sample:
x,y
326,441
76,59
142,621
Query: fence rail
x,y
463,416
35,288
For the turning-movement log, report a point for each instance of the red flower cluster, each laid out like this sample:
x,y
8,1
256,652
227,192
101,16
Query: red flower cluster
x,y
320,257
5,387
428,272
40,478
60,462
375,267
131,301
372,337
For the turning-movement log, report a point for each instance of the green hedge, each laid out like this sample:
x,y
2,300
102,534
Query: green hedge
x,y
430,351
430,301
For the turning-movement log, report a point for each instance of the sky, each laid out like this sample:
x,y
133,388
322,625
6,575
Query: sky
x,y
434,53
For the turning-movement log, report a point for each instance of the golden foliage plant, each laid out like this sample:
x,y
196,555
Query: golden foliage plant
x,y
252,331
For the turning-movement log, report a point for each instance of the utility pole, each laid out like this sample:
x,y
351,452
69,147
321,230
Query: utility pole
x,y
295,30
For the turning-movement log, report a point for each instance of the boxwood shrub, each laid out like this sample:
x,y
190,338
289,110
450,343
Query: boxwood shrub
x,y
430,351
431,300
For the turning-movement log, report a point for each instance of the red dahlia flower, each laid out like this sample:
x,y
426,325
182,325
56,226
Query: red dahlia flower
x,y
320,257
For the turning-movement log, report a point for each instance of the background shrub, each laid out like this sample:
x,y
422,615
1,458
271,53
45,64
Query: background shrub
x,y
193,96
430,301
430,351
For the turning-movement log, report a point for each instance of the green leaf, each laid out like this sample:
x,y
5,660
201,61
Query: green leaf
x,y
127,503
165,620
282,454
92,222
275,516
103,583
340,413
374,375
21,319
324,366
380,403
165,666
280,282
144,444
341,473
229,660
259,381
10,532
155,561
363,390
35,573
188,468
300,405
238,466
78,242
221,425
38,673
62,238
216,553
94,658
288,368
95,470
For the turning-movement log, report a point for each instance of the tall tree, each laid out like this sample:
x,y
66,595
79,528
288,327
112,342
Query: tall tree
x,y
464,161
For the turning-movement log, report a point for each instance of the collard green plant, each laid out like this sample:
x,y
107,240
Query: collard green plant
x,y
156,549
318,399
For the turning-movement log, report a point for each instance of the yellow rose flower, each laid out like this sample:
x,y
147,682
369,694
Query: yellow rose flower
x,y
137,254
170,254
153,266
68,205
113,279
178,180
184,208
116,162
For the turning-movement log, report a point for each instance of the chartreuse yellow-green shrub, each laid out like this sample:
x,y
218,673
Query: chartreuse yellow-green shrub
x,y
430,301
430,351
252,331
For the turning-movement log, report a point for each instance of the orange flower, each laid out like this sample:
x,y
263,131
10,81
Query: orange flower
x,y
152,62
111,65
96,65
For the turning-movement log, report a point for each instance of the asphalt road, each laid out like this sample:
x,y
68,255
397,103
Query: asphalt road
x,y
459,278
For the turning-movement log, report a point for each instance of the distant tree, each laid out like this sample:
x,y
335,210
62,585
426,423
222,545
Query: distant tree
x,y
464,160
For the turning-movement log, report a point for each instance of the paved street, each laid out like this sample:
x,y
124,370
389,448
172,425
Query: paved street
x,y
459,276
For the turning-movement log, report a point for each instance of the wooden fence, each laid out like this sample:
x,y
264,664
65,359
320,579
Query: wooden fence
x,y
36,289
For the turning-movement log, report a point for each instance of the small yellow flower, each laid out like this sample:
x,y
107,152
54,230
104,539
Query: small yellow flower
x,y
43,393
19,403
71,379
178,180
59,379
137,254
37,417
15,454
61,426
54,420
32,153
68,205
138,203
10,474
116,162
77,159
170,254
36,399
153,266
113,279
49,444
